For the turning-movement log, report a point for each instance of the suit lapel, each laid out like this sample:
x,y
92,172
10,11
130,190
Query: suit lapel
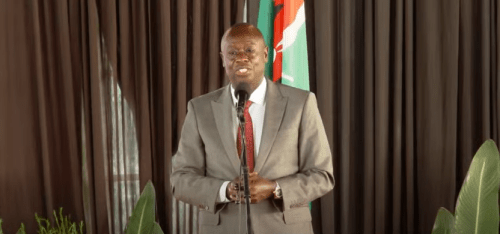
x,y
275,108
222,110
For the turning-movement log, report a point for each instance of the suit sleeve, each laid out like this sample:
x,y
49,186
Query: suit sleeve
x,y
315,176
188,181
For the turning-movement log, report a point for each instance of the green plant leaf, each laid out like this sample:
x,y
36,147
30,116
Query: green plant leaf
x,y
444,222
81,227
63,224
143,215
477,204
1,232
157,229
22,229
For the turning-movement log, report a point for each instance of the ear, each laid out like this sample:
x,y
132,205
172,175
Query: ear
x,y
266,53
222,57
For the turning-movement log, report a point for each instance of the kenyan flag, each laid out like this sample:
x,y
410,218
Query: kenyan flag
x,y
283,24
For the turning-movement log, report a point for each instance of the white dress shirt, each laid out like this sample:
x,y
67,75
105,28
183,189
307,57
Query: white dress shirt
x,y
257,111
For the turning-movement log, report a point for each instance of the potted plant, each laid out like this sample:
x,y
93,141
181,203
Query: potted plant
x,y
476,210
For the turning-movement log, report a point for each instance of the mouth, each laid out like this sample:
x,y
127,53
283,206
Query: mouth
x,y
242,71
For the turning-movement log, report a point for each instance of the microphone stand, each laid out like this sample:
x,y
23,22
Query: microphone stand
x,y
244,166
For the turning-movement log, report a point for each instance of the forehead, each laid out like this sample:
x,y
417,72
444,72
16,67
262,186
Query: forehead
x,y
235,41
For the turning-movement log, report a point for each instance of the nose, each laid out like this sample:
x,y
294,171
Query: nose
x,y
241,57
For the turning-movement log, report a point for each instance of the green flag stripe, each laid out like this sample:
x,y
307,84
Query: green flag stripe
x,y
265,23
295,62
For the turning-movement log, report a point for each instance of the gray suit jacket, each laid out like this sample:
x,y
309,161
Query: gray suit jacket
x,y
294,151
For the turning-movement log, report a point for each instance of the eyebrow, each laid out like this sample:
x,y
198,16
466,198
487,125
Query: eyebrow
x,y
236,37
252,43
231,47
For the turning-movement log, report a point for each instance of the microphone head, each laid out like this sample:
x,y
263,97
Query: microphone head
x,y
242,92
241,95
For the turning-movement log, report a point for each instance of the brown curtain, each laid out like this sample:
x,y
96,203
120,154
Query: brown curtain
x,y
40,116
408,91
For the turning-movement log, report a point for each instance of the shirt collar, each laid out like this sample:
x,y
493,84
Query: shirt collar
x,y
258,96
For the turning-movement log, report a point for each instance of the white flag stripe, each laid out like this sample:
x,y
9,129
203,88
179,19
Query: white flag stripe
x,y
285,76
290,33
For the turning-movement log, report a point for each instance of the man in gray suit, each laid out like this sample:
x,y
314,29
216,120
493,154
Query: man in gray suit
x,y
288,152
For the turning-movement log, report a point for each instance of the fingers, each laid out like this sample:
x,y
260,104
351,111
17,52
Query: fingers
x,y
233,186
259,187
235,191
257,198
254,199
232,190
235,198
236,184
253,176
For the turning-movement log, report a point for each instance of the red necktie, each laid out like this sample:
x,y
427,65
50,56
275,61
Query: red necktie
x,y
248,137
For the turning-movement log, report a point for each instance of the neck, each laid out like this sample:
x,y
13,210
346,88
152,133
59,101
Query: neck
x,y
251,88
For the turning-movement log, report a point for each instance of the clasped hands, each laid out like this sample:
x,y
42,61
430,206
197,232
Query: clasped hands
x,y
260,188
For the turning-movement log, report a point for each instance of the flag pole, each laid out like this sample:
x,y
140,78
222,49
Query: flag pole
x,y
245,12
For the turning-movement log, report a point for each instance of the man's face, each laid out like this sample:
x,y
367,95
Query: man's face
x,y
244,57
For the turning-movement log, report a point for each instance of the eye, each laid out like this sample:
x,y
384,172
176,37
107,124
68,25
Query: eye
x,y
232,52
250,50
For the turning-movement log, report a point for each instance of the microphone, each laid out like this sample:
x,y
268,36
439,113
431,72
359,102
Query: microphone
x,y
242,96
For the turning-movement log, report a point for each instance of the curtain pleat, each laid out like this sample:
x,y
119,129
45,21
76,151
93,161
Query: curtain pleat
x,y
326,67
408,189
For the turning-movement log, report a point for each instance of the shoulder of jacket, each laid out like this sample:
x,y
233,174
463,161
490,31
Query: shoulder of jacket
x,y
293,93
208,97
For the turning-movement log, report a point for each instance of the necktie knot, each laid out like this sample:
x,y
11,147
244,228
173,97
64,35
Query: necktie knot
x,y
247,106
